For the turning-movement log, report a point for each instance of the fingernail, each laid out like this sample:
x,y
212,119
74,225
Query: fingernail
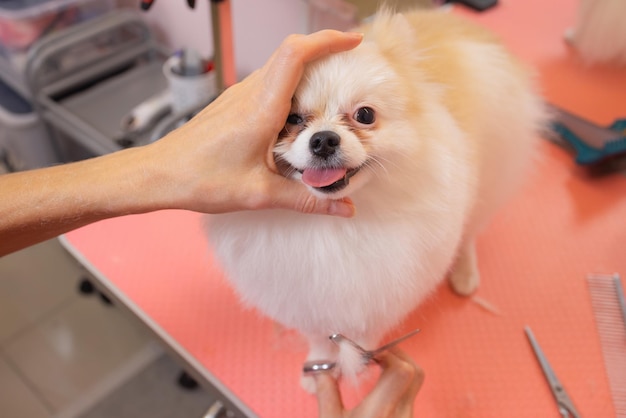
x,y
341,208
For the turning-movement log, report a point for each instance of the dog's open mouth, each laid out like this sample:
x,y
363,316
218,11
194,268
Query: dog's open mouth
x,y
328,179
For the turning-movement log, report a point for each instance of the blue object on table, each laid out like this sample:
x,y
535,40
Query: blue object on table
x,y
591,143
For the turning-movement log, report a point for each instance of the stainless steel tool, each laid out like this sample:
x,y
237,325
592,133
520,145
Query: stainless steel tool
x,y
565,404
367,355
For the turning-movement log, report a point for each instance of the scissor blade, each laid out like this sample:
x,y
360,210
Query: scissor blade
x,y
565,404
541,357
395,342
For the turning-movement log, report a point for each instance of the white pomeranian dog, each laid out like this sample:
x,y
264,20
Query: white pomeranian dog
x,y
427,126
599,33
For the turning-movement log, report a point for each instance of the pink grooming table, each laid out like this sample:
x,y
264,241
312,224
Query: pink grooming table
x,y
533,258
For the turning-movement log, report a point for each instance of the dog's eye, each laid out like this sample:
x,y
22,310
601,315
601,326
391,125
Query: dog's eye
x,y
365,115
294,119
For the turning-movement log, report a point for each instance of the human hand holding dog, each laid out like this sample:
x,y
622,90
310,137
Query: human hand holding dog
x,y
220,161
392,397
233,167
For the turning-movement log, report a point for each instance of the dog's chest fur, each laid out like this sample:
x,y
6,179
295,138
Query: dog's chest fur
x,y
316,273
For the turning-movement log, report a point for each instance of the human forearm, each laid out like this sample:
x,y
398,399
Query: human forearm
x,y
220,161
41,204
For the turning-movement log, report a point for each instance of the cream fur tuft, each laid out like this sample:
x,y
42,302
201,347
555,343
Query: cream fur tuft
x,y
599,34
350,361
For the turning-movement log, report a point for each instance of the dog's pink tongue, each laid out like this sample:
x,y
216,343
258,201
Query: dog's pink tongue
x,y
315,177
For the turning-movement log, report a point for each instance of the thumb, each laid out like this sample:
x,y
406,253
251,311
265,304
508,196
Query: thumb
x,y
294,196
328,396
310,204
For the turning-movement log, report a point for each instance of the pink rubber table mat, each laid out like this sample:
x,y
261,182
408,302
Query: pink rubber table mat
x,y
533,259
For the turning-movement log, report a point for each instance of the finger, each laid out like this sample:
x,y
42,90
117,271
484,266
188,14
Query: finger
x,y
329,41
329,402
392,388
406,404
286,65
294,196
419,377
307,203
403,363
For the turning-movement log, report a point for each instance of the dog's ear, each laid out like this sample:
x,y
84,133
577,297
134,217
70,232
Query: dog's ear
x,y
394,35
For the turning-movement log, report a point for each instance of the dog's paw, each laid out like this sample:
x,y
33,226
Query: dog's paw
x,y
465,277
463,283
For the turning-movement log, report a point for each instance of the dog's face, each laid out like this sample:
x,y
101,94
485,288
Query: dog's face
x,y
342,124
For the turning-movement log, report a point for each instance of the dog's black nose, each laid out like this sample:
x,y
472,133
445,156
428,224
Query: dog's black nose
x,y
324,143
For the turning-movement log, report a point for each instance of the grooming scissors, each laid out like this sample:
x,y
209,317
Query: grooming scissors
x,y
366,355
565,404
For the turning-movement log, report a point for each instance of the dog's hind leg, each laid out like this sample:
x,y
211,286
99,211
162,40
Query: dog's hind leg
x,y
465,277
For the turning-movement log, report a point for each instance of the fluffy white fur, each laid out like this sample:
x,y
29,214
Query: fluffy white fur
x,y
456,119
600,31
351,360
